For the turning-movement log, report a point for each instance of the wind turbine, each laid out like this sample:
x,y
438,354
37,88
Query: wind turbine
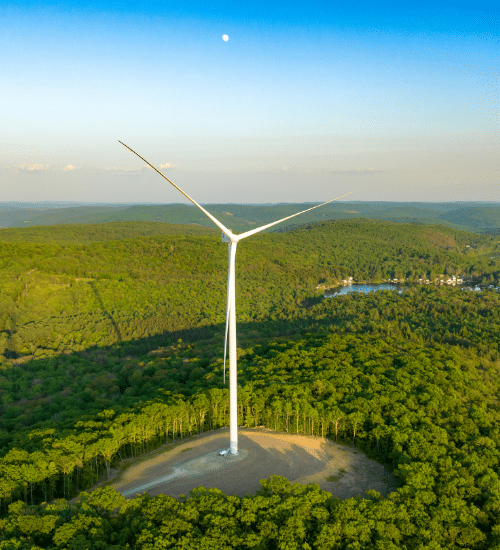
x,y
232,240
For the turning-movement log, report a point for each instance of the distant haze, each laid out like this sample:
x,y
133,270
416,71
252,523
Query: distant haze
x,y
483,217
396,101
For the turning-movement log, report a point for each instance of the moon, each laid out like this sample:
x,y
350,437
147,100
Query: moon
x,y
225,37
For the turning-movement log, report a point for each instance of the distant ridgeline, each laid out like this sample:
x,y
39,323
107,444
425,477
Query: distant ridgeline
x,y
482,217
111,344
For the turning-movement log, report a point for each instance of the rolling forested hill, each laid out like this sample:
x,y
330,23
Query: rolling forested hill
x,y
110,287
479,217
476,218
111,339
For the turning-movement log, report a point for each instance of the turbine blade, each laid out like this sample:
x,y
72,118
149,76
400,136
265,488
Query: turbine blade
x,y
258,229
228,309
225,346
221,226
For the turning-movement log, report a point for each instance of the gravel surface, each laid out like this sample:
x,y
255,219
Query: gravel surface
x,y
262,453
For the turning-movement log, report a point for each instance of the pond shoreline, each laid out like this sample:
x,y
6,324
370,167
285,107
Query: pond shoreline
x,y
367,286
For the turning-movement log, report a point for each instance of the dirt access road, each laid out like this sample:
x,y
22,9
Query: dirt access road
x,y
262,453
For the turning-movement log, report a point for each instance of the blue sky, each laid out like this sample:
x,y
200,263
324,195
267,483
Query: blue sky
x,y
392,100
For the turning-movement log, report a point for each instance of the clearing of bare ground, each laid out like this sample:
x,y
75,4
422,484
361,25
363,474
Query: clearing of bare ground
x,y
343,471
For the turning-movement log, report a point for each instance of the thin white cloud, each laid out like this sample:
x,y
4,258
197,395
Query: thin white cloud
x,y
32,167
166,166
330,170
70,167
354,170
123,168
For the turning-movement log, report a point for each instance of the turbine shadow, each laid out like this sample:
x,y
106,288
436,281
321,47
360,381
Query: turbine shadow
x,y
107,313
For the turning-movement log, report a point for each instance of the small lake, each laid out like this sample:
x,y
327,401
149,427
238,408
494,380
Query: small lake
x,y
371,287
365,288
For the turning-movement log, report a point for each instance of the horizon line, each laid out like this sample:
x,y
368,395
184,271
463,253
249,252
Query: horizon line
x,y
83,203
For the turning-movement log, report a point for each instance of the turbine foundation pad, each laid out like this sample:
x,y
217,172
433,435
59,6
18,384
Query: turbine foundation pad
x,y
343,471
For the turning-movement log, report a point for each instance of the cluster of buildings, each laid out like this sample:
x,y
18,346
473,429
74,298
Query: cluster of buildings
x,y
440,279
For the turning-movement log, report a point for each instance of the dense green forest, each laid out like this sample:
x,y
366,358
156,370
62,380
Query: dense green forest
x,y
111,346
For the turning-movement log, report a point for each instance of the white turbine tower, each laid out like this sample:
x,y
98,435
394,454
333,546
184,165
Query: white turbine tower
x,y
232,239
